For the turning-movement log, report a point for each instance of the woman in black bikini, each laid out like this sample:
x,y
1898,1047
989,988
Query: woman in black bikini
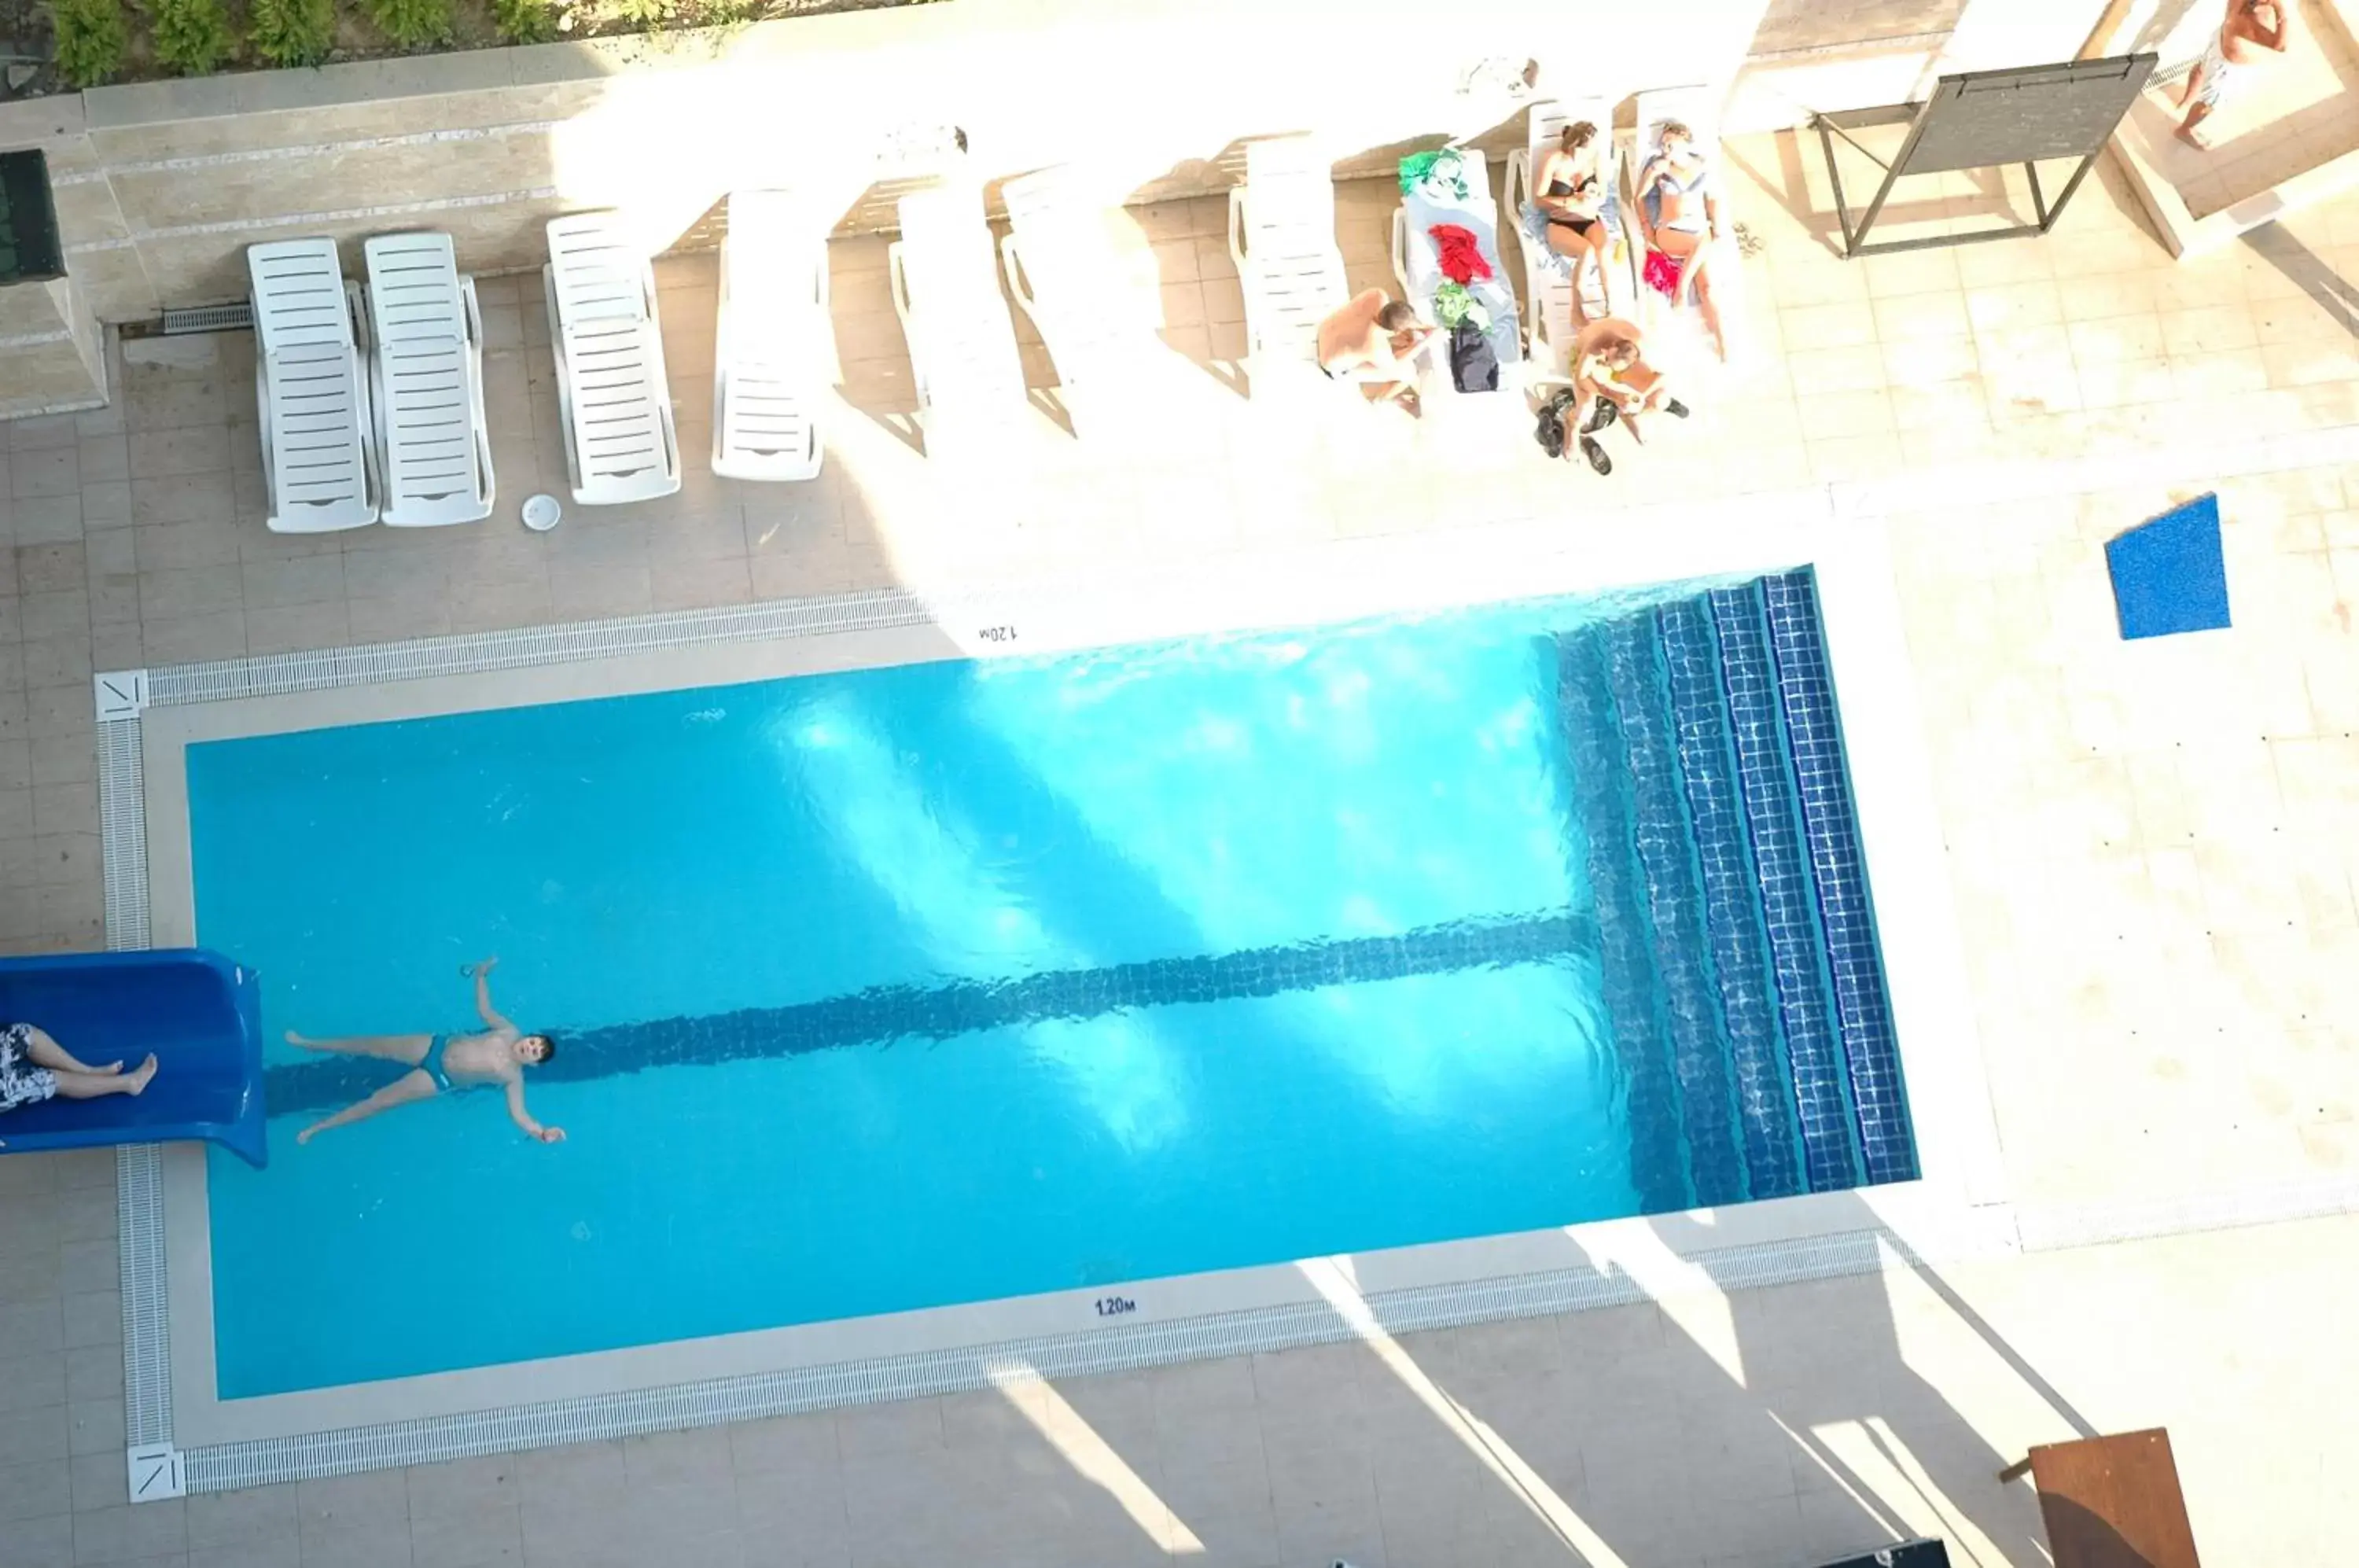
x,y
1569,187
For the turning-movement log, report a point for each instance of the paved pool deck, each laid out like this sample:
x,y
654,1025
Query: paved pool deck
x,y
2151,849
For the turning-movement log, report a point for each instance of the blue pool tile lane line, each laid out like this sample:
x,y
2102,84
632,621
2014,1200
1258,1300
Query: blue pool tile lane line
x,y
1732,897
2168,574
1789,896
1657,1152
1888,1147
1697,1038
888,1013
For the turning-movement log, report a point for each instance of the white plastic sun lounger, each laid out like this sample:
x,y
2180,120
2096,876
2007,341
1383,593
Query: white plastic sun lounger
x,y
426,382
621,444
1282,237
1416,262
311,395
769,339
1698,108
1549,288
962,355
1070,278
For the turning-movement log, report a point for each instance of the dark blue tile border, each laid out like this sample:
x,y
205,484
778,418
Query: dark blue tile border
x,y
1815,739
1788,899
1732,897
883,1014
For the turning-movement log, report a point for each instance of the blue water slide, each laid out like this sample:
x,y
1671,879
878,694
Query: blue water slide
x,y
199,1012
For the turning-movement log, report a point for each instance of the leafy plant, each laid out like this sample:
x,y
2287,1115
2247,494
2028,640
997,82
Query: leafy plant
x,y
411,23
190,36
525,21
90,38
292,32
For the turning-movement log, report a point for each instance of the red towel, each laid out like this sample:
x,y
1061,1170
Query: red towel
x,y
1662,271
1461,255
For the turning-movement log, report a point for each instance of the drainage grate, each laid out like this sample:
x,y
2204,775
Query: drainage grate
x,y
237,318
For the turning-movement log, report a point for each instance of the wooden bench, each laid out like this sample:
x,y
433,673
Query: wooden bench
x,y
2111,1502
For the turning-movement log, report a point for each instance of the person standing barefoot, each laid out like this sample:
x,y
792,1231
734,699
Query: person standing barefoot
x,y
2250,29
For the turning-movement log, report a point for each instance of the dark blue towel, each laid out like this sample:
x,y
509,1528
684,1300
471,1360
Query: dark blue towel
x,y
2169,575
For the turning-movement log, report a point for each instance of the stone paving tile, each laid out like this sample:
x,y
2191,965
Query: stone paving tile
x,y
2206,831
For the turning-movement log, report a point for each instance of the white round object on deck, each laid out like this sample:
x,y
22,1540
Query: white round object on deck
x,y
541,512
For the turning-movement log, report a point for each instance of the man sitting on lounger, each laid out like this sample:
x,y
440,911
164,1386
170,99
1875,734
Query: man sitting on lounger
x,y
499,1055
1614,382
34,1068
1372,341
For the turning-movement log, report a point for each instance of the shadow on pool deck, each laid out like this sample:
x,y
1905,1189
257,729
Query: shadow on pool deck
x,y
2299,265
1779,1426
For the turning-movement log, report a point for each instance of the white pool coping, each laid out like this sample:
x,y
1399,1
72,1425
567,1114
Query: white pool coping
x,y
1958,1209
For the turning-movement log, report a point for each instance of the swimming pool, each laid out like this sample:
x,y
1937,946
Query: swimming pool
x,y
959,981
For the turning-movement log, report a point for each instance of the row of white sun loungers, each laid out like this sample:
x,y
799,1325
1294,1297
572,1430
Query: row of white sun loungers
x,y
372,395
1549,291
1282,229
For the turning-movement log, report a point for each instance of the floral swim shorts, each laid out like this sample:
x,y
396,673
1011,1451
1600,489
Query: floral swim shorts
x,y
21,1082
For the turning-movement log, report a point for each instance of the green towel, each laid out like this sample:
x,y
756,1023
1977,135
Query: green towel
x,y
1440,176
1453,304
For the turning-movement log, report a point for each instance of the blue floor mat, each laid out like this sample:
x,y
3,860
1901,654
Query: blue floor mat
x,y
2169,575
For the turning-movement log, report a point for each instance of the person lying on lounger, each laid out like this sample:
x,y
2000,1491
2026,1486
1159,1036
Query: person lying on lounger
x,y
34,1068
438,1062
1568,189
1679,213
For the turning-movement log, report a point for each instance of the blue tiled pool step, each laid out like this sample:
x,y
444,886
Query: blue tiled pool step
x,y
1698,1038
1832,826
1743,982
1740,945
1796,947
1626,957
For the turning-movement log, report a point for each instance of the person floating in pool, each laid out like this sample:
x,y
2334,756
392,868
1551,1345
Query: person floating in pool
x,y
438,1061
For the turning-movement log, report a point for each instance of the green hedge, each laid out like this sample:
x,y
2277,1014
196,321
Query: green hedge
x,y
413,24
90,38
525,21
190,36
292,32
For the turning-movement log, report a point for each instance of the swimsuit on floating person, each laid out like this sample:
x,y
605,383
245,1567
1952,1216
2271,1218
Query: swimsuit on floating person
x,y
431,1062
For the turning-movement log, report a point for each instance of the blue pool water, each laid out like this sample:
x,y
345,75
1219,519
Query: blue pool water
x,y
958,981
